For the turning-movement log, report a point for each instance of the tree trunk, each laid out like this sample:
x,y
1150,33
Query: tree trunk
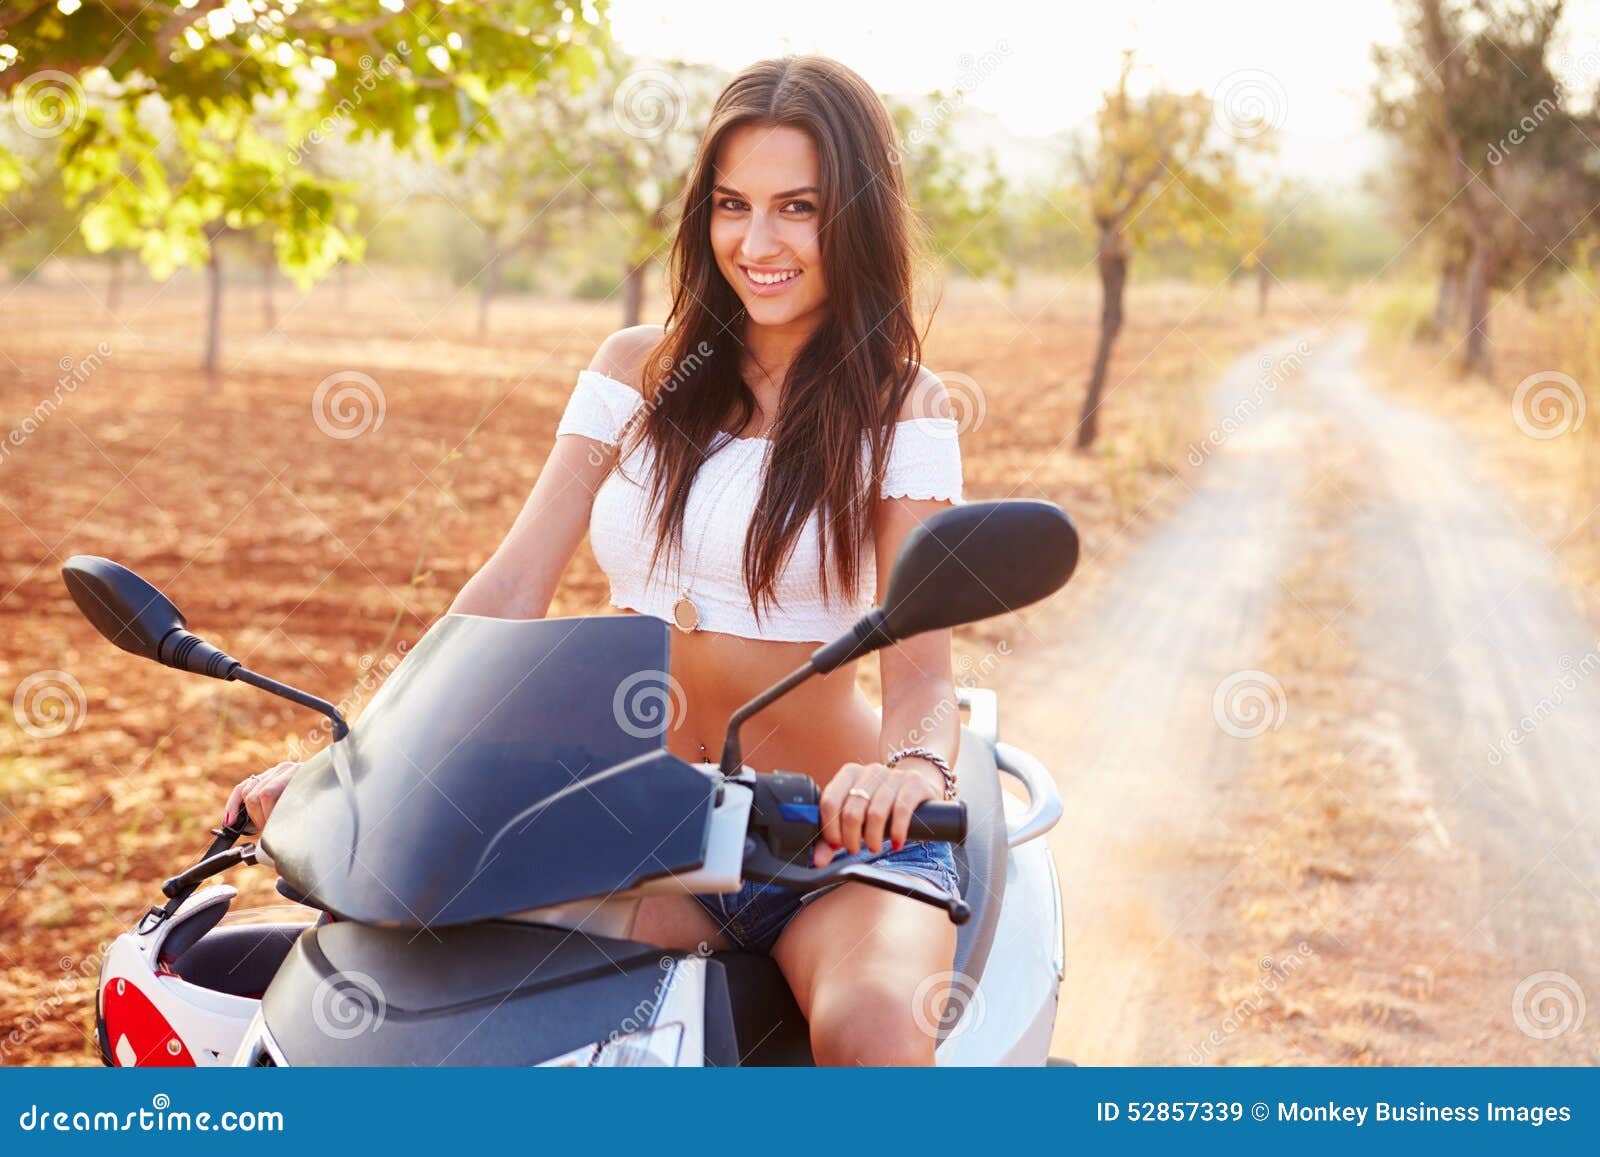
x,y
1480,271
1447,303
114,284
269,309
1263,287
213,310
489,284
1112,259
633,294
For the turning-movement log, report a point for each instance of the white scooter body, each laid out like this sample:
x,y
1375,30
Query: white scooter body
x,y
150,1013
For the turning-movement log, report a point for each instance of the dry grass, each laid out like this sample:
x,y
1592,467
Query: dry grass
x,y
1302,982
1344,863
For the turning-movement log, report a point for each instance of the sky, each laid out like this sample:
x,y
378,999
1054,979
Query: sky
x,y
1039,68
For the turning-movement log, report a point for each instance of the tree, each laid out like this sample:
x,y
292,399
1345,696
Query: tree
x,y
1152,171
1281,231
632,147
1053,229
1472,80
519,188
199,180
33,221
961,204
241,89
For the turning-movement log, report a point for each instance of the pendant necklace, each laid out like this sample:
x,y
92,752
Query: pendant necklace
x,y
685,614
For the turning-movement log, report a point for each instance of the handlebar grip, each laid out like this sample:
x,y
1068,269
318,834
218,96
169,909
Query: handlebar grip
x,y
940,821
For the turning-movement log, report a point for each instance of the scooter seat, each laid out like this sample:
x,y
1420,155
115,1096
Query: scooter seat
x,y
238,959
768,1026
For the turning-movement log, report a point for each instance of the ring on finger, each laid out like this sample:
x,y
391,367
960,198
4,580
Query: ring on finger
x,y
859,793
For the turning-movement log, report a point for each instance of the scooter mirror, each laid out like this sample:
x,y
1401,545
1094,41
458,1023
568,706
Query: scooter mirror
x,y
961,565
121,605
978,560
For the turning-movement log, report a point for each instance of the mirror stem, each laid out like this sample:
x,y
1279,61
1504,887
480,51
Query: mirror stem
x,y
867,635
732,754
284,691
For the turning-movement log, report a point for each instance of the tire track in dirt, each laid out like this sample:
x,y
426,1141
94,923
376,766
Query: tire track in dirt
x,y
1493,676
1462,627
1121,709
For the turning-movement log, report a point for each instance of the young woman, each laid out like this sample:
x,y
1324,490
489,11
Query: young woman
x,y
748,472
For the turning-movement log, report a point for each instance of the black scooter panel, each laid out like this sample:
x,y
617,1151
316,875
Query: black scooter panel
x,y
487,994
506,764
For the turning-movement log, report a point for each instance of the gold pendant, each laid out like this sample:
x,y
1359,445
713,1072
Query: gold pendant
x,y
685,614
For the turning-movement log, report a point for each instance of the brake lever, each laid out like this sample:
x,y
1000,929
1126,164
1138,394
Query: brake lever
x,y
905,884
222,855
185,882
242,826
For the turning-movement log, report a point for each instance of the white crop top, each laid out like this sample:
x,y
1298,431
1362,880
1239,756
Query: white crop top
x,y
924,462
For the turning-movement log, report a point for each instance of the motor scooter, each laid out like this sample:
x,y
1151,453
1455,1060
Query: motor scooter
x,y
476,846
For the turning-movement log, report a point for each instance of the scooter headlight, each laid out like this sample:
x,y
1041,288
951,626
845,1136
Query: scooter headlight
x,y
648,1048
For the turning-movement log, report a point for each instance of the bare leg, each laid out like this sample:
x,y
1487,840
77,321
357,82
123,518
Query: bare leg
x,y
677,922
870,970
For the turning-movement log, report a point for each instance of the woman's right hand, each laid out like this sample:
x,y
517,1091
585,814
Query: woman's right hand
x,y
259,793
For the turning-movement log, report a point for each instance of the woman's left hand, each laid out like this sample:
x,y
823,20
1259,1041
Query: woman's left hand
x,y
882,806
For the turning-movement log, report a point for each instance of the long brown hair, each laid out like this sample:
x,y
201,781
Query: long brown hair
x,y
854,373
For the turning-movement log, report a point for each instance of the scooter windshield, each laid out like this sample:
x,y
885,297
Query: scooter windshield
x,y
505,764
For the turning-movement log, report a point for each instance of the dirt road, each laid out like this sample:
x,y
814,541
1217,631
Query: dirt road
x,y
1155,695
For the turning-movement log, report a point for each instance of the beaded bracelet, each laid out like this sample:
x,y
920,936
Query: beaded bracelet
x,y
932,757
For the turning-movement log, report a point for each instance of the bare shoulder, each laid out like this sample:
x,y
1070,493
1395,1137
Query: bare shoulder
x,y
622,355
928,398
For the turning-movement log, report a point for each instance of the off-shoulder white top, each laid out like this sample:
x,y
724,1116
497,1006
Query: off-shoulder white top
x,y
924,462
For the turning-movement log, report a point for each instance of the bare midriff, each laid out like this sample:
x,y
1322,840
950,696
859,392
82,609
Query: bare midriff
x,y
818,727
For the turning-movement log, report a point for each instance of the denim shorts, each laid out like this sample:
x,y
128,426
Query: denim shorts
x,y
754,916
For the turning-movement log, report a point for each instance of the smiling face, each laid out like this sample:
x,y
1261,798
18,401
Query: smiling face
x,y
766,218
